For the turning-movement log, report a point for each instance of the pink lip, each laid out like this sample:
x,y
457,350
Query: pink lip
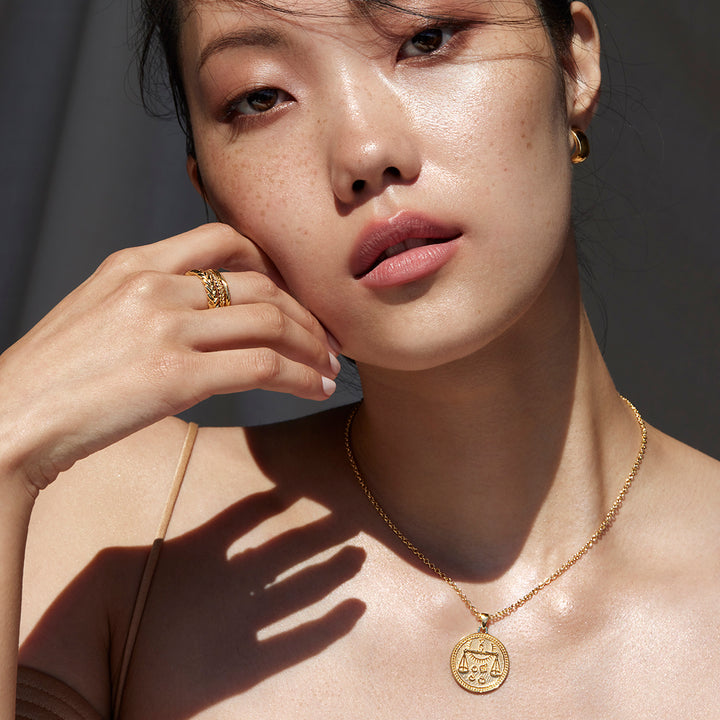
x,y
407,265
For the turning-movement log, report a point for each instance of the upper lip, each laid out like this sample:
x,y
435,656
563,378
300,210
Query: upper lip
x,y
380,235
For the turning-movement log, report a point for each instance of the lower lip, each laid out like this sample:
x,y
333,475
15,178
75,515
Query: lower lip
x,y
410,265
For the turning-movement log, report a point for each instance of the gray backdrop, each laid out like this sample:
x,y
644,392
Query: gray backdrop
x,y
85,172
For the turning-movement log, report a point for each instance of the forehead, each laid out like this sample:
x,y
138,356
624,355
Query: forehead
x,y
301,11
201,19
208,14
370,11
363,9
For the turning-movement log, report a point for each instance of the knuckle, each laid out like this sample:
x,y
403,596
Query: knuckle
x,y
308,381
140,285
267,365
223,232
145,307
272,318
123,262
161,323
264,286
321,352
311,320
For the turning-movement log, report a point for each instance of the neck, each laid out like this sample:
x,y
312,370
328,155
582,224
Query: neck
x,y
508,458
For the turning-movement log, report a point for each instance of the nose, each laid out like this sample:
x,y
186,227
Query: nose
x,y
372,145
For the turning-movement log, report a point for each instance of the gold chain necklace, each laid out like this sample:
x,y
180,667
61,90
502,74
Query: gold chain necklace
x,y
479,662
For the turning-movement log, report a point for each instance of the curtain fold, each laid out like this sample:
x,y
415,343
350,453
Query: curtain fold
x,y
36,88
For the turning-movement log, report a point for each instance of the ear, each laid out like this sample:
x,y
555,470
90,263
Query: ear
x,y
583,91
193,172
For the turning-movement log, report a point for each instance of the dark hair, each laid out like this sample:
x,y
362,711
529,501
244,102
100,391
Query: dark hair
x,y
159,67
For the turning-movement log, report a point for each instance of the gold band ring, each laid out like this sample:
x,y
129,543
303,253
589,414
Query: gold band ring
x,y
216,287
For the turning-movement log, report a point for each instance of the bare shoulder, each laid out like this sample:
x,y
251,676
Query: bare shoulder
x,y
92,529
667,577
693,475
112,502
111,498
679,493
87,543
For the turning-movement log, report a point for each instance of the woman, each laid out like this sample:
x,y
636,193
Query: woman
x,y
393,184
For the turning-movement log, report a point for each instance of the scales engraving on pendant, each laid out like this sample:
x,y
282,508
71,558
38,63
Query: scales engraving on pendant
x,y
479,663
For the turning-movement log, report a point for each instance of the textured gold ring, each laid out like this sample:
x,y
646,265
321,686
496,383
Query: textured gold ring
x,y
216,287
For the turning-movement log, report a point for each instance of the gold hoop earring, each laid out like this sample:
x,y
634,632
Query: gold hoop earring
x,y
582,146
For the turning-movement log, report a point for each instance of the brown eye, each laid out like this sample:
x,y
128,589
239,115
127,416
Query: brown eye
x,y
426,42
257,101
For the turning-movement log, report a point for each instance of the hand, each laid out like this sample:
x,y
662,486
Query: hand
x,y
136,343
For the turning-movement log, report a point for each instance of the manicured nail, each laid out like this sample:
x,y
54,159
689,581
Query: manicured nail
x,y
328,386
334,363
332,342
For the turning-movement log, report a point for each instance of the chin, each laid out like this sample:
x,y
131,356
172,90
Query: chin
x,y
435,335
424,351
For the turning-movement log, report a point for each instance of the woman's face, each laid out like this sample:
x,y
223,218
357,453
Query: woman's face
x,y
328,137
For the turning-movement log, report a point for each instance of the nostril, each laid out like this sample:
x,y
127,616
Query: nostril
x,y
393,171
358,186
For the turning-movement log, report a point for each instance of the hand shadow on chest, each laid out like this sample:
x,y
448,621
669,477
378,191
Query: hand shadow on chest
x,y
201,638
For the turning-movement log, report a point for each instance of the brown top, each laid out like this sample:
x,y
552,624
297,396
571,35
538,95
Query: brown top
x,y
43,697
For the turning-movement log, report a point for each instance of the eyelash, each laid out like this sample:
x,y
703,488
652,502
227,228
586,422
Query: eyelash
x,y
231,112
232,115
453,30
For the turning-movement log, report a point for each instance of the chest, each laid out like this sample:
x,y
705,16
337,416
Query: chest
x,y
400,676
340,638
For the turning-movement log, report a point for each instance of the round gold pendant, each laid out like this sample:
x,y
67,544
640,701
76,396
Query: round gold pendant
x,y
479,663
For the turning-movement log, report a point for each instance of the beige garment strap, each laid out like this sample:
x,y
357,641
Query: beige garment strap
x,y
150,565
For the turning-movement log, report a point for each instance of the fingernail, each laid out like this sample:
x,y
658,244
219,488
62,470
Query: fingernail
x,y
334,363
328,386
332,342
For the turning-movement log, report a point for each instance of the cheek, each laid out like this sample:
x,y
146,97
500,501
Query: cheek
x,y
503,123
505,153
259,188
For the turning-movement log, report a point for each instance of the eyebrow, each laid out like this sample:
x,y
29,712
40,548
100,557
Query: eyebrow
x,y
249,37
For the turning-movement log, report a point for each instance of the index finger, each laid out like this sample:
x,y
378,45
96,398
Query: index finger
x,y
212,245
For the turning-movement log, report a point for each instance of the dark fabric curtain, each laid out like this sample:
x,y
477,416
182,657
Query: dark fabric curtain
x,y
85,172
